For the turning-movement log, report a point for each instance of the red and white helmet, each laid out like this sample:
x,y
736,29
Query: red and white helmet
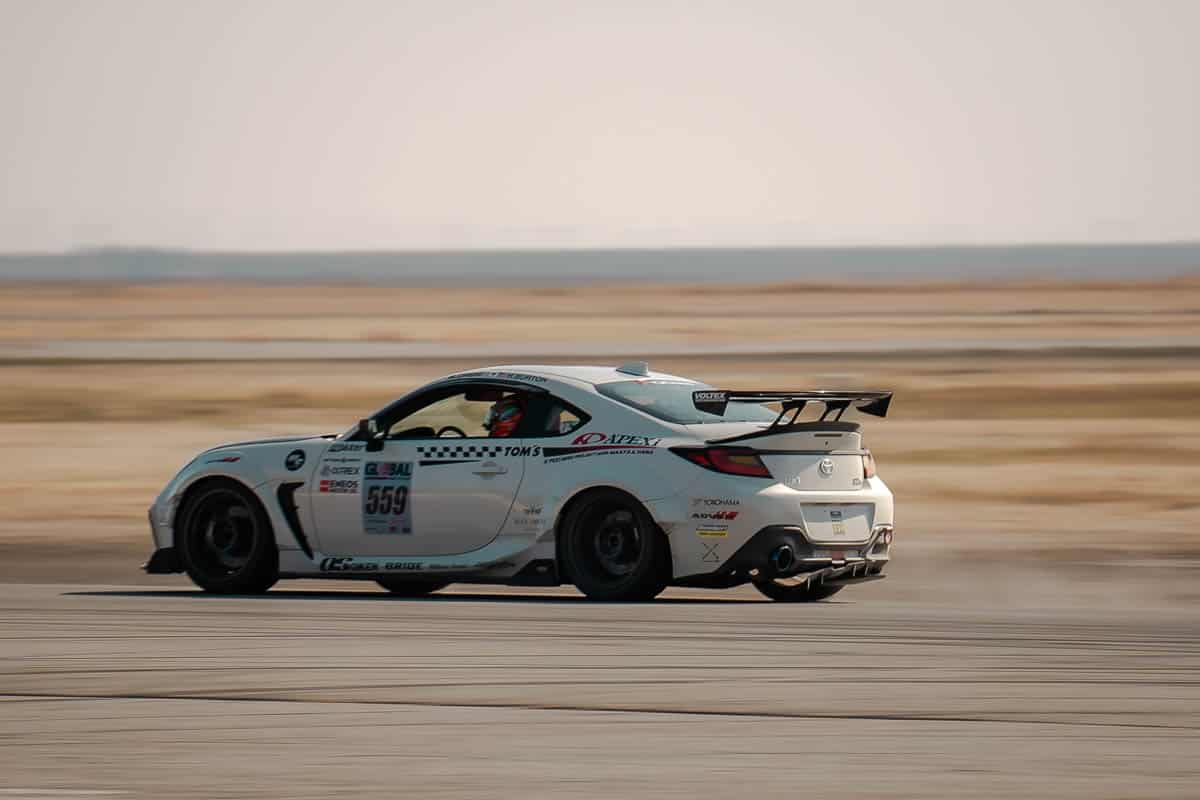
x,y
504,416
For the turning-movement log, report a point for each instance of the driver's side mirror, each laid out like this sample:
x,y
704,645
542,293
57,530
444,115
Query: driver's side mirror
x,y
369,433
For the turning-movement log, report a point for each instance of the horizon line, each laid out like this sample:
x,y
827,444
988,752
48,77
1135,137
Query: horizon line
x,y
180,250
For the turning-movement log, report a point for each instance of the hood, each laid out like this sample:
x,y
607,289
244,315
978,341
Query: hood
x,y
273,440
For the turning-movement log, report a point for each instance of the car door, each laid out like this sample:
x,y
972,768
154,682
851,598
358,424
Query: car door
x,y
421,494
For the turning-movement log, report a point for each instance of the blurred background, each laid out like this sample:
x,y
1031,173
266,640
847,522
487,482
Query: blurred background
x,y
227,220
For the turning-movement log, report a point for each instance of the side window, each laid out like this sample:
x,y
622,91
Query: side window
x,y
464,413
560,419
566,421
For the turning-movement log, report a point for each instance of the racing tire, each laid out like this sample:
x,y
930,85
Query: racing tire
x,y
796,593
613,550
403,587
225,542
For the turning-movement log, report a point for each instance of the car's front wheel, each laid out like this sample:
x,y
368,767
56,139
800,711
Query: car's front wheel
x,y
225,541
405,587
784,590
613,550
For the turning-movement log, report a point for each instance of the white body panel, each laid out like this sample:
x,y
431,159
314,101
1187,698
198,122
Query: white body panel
x,y
486,514
449,505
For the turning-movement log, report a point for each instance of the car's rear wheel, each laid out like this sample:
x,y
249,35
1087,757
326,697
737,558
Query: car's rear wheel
x,y
612,549
785,590
405,587
225,541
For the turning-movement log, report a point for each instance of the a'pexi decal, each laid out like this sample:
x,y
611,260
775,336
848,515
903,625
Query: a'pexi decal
x,y
594,444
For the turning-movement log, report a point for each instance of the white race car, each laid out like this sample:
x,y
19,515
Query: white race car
x,y
621,481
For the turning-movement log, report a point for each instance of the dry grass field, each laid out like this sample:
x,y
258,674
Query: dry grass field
x,y
1031,421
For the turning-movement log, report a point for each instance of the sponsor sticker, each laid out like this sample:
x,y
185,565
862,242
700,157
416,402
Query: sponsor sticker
x,y
616,440
587,445
350,564
386,508
715,515
512,376
716,501
346,447
329,470
294,460
713,531
332,486
528,515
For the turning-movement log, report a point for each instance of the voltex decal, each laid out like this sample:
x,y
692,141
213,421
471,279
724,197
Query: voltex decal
x,y
386,489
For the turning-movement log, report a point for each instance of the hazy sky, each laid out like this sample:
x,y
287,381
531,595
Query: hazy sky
x,y
334,124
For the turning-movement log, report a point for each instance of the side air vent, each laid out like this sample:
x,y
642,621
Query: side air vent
x,y
287,503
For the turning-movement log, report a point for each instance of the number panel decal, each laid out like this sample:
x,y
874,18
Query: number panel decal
x,y
386,508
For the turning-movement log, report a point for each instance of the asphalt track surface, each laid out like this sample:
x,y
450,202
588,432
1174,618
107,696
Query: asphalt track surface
x,y
340,691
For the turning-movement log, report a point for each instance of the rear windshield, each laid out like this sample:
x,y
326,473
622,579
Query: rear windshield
x,y
672,401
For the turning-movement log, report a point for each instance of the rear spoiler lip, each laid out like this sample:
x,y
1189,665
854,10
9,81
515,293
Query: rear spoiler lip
x,y
833,429
875,403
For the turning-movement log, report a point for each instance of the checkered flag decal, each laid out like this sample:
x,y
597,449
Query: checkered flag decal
x,y
463,451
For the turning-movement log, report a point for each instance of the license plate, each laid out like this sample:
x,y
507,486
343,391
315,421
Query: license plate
x,y
834,523
836,555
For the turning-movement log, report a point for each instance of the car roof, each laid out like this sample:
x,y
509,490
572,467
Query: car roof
x,y
586,374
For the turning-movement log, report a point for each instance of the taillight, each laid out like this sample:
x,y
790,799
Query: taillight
x,y
868,465
726,460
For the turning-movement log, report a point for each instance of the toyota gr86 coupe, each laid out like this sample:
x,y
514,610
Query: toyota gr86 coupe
x,y
621,481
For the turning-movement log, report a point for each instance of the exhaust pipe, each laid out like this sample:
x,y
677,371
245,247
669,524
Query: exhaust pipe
x,y
782,559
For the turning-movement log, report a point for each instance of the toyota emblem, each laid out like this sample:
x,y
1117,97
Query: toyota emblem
x,y
826,467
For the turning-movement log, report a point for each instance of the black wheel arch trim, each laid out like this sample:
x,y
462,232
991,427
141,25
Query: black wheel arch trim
x,y
286,495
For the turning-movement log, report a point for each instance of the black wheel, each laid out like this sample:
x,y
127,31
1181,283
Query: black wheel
x,y
225,540
793,590
406,587
613,550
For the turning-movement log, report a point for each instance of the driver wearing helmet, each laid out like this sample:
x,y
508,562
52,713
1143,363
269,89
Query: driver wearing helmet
x,y
504,416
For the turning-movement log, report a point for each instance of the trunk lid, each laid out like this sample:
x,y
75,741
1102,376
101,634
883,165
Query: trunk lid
x,y
811,456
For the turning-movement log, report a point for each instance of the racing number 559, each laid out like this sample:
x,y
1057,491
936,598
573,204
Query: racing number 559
x,y
387,499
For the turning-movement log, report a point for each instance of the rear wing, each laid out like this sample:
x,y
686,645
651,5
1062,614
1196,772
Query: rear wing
x,y
714,401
